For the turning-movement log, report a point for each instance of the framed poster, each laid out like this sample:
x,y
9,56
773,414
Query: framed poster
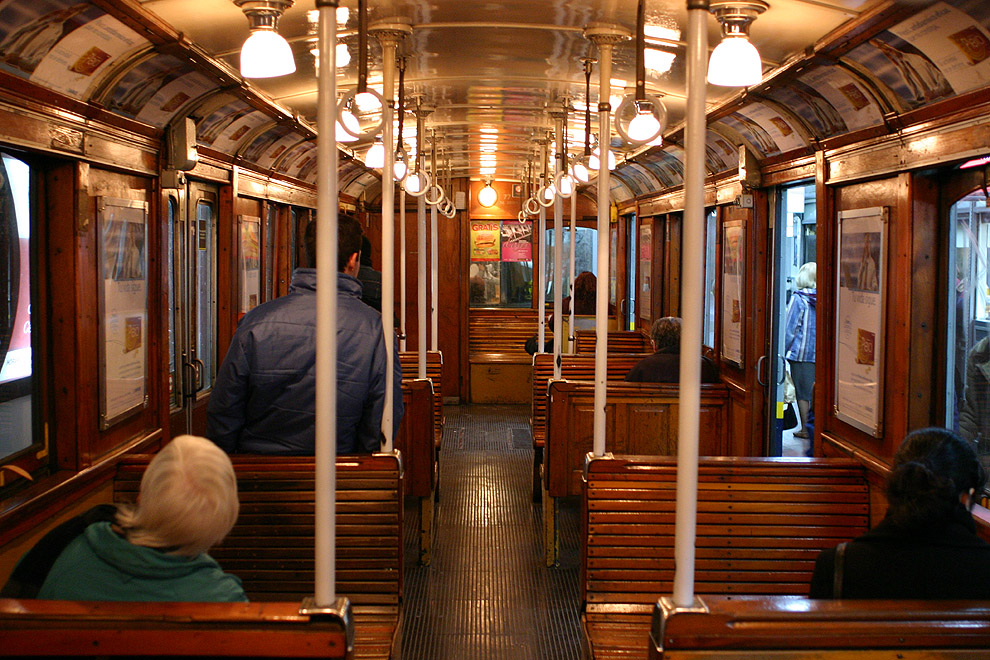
x,y
485,240
249,262
859,318
517,240
733,291
122,236
645,267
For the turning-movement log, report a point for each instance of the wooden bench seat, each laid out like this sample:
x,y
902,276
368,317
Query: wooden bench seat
x,y
419,456
271,546
619,341
640,418
744,627
56,628
572,367
434,371
499,366
761,524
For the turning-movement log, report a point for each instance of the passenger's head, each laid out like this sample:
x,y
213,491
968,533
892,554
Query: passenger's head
x,y
807,276
188,499
349,237
585,293
365,251
933,469
666,333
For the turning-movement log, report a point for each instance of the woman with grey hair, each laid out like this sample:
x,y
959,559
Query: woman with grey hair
x,y
156,550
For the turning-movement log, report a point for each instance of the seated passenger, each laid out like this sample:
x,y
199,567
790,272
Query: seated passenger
x,y
926,546
664,366
155,551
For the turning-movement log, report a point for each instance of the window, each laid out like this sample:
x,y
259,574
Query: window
x,y
711,229
501,272
17,374
968,351
585,257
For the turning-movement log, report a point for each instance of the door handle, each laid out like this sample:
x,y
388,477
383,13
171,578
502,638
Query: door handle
x,y
199,367
759,371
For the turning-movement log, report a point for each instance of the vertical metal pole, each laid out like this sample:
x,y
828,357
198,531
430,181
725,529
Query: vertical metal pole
x,y
601,301
541,295
326,310
421,263
571,341
558,251
434,279
402,268
692,292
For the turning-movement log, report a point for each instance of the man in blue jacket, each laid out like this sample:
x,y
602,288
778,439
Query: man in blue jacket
x,y
263,401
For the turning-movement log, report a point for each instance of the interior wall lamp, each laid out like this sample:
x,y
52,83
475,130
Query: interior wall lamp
x,y
265,54
487,196
735,62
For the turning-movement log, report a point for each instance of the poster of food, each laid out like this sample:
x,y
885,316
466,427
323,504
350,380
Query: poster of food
x,y
485,240
249,260
517,240
859,331
123,301
733,289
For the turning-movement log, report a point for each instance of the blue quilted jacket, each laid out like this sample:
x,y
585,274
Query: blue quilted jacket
x,y
264,397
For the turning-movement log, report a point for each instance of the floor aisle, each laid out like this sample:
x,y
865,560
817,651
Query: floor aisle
x,y
487,594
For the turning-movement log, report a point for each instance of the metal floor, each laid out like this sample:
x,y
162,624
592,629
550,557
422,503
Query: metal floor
x,y
487,594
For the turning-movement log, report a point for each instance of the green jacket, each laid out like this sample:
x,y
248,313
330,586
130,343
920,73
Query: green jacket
x,y
100,565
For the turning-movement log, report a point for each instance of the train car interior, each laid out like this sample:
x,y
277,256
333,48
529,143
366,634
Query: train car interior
x,y
804,183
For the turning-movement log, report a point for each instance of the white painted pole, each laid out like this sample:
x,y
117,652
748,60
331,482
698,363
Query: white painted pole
x,y
434,280
421,280
326,311
571,339
601,301
558,252
402,268
389,41
692,292
541,296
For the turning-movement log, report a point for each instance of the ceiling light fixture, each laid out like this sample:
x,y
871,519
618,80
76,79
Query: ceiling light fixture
x,y
376,155
735,62
265,54
487,196
640,118
580,168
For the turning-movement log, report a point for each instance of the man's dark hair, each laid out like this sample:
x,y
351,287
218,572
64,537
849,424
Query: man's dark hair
x,y
366,252
349,237
666,332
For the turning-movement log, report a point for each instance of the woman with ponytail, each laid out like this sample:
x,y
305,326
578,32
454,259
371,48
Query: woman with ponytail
x,y
926,546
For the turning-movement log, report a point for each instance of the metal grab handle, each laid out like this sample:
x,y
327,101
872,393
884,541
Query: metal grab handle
x,y
759,371
200,368
783,371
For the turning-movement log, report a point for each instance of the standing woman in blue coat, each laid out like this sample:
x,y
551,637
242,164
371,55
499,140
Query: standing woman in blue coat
x,y
799,342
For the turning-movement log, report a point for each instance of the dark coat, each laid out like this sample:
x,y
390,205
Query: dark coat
x,y
974,417
664,366
947,562
264,398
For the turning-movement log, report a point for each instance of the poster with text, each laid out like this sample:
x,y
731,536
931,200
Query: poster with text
x,y
123,307
485,239
517,240
859,332
645,266
733,287
250,263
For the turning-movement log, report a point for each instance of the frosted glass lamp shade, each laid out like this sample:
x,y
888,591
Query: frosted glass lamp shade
x,y
643,126
375,156
399,169
265,54
487,196
735,62
580,170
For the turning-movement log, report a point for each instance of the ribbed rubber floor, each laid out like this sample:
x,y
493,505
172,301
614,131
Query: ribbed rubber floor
x,y
487,594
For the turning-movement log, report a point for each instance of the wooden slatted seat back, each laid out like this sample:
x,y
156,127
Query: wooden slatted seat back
x,y
619,341
434,371
271,546
761,524
753,627
572,367
415,438
641,418
499,335
55,628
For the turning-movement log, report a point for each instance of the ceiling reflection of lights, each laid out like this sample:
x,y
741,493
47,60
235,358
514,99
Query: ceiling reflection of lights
x,y
735,62
658,61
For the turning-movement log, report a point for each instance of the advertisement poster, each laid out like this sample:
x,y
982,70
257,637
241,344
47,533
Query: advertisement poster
x,y
485,239
249,262
733,287
859,332
517,240
645,267
123,307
